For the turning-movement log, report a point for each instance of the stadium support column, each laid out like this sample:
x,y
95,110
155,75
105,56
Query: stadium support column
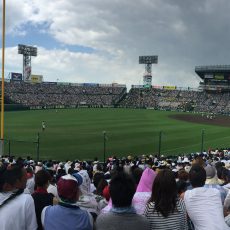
x,y
38,146
9,153
3,78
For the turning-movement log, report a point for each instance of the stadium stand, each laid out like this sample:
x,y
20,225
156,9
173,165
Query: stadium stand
x,y
212,96
58,96
45,94
181,100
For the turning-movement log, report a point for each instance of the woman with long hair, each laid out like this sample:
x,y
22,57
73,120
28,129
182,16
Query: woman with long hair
x,y
165,210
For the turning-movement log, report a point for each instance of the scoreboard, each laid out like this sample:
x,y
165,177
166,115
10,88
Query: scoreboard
x,y
214,77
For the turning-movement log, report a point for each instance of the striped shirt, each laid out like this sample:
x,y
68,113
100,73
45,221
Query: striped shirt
x,y
175,221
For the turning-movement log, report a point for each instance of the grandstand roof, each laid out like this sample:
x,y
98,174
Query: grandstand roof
x,y
206,71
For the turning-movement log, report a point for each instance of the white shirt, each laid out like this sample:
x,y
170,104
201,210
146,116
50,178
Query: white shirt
x,y
205,209
53,189
30,185
18,214
227,201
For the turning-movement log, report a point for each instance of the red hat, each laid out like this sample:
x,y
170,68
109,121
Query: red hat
x,y
68,185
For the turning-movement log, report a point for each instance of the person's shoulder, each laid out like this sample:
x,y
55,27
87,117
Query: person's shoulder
x,y
195,190
139,217
113,217
140,220
82,212
212,189
43,213
25,199
187,194
104,219
104,215
25,196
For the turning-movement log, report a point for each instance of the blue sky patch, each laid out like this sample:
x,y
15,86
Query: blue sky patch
x,y
37,35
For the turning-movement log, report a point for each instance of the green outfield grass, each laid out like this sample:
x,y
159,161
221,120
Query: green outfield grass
x,y
78,133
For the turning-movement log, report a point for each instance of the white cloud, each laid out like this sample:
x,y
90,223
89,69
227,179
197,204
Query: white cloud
x,y
72,67
183,33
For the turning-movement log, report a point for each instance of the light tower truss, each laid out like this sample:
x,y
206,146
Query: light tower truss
x,y
27,52
148,61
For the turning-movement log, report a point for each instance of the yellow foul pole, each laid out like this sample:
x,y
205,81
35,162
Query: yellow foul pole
x,y
3,69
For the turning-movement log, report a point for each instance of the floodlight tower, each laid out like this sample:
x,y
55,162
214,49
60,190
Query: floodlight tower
x,y
27,52
148,61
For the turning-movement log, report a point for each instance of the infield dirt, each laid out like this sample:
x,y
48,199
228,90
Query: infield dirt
x,y
194,118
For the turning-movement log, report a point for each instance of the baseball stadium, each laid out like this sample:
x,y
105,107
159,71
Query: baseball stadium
x,y
91,138
61,120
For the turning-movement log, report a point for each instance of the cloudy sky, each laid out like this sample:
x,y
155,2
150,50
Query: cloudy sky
x,y
99,41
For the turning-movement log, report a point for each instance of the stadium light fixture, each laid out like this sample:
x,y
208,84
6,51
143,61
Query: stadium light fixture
x,y
148,61
27,52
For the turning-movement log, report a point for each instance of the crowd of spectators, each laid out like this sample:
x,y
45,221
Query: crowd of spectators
x,y
69,95
134,192
41,94
182,100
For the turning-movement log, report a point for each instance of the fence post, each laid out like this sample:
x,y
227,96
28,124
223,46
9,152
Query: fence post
x,y
104,141
9,149
1,147
160,136
38,146
202,141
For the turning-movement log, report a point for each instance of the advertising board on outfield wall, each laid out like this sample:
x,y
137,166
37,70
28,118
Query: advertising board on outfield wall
x,y
75,84
49,83
169,87
157,87
63,83
36,78
16,76
91,84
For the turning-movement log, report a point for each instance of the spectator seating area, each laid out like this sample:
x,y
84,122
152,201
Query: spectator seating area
x,y
48,94
44,95
184,100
